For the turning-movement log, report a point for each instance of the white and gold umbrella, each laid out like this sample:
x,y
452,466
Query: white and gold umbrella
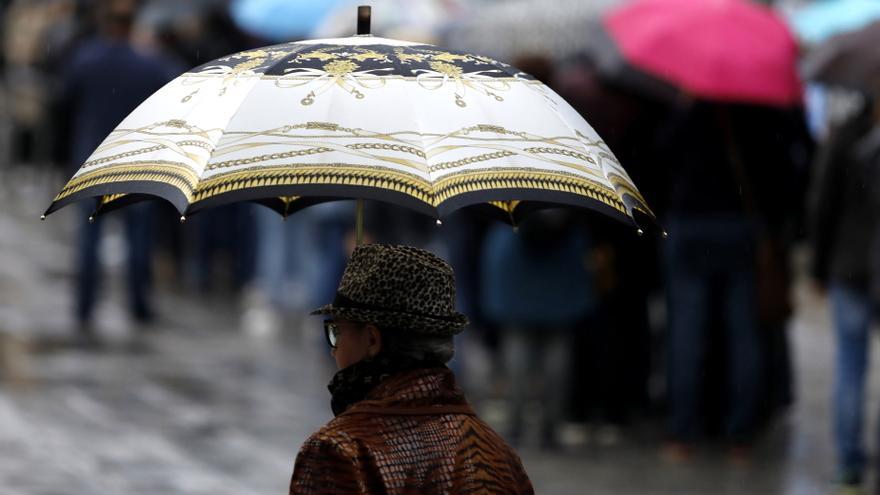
x,y
360,117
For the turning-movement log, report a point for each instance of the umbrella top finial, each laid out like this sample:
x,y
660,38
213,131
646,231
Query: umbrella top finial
x,y
363,23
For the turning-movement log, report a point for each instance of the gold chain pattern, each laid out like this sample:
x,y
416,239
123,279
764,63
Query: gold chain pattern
x,y
272,156
559,151
387,147
471,160
150,149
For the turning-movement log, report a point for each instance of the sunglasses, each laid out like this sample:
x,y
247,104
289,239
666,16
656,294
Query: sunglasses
x,y
332,331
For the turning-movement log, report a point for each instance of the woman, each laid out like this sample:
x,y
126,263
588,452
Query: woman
x,y
402,425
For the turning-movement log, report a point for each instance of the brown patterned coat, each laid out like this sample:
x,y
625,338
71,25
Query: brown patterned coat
x,y
414,434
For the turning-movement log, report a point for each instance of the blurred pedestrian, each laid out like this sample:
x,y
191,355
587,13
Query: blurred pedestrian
x,y
223,241
286,271
619,344
35,37
784,140
714,217
402,424
844,227
537,287
106,78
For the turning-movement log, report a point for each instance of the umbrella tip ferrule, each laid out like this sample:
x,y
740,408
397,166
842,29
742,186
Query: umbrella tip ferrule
x,y
42,217
91,218
182,218
439,222
664,235
363,20
640,232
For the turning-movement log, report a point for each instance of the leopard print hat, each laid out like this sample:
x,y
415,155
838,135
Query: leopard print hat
x,y
399,287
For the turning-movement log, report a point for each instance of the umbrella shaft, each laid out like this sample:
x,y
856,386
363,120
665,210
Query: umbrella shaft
x,y
359,223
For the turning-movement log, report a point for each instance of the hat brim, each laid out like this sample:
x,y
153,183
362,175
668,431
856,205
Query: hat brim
x,y
398,319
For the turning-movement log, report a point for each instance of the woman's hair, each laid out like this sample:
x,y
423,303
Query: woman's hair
x,y
428,348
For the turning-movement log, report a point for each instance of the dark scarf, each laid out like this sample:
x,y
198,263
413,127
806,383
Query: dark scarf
x,y
352,384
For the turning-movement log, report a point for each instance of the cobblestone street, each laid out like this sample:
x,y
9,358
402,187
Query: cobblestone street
x,y
197,406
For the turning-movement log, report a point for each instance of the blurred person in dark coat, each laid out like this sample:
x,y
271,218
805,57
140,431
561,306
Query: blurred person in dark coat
x,y
725,166
627,270
844,234
402,424
105,79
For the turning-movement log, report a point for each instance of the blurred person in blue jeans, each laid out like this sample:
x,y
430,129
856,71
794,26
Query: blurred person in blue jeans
x,y
844,221
105,79
536,287
293,255
725,171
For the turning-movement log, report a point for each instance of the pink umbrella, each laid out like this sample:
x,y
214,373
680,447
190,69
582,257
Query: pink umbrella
x,y
728,50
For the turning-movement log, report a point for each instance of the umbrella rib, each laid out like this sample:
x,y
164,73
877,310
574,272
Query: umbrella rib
x,y
205,132
228,121
421,135
590,152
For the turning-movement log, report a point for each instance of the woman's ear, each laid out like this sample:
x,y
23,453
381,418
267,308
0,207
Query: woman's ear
x,y
374,340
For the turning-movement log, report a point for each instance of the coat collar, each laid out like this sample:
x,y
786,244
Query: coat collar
x,y
425,391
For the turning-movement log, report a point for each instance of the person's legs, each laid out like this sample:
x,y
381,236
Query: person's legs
x,y
877,460
301,262
515,348
556,367
242,242
88,268
206,242
744,350
877,463
688,301
271,246
851,316
139,224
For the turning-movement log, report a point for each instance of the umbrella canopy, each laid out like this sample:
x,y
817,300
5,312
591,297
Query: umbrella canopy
x,y
823,19
850,60
360,117
725,50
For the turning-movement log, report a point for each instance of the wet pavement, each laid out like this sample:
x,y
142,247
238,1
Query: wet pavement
x,y
196,405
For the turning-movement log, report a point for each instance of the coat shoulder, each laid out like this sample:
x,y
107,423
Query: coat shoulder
x,y
337,434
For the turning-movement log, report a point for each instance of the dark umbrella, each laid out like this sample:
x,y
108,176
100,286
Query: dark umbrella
x,y
851,60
